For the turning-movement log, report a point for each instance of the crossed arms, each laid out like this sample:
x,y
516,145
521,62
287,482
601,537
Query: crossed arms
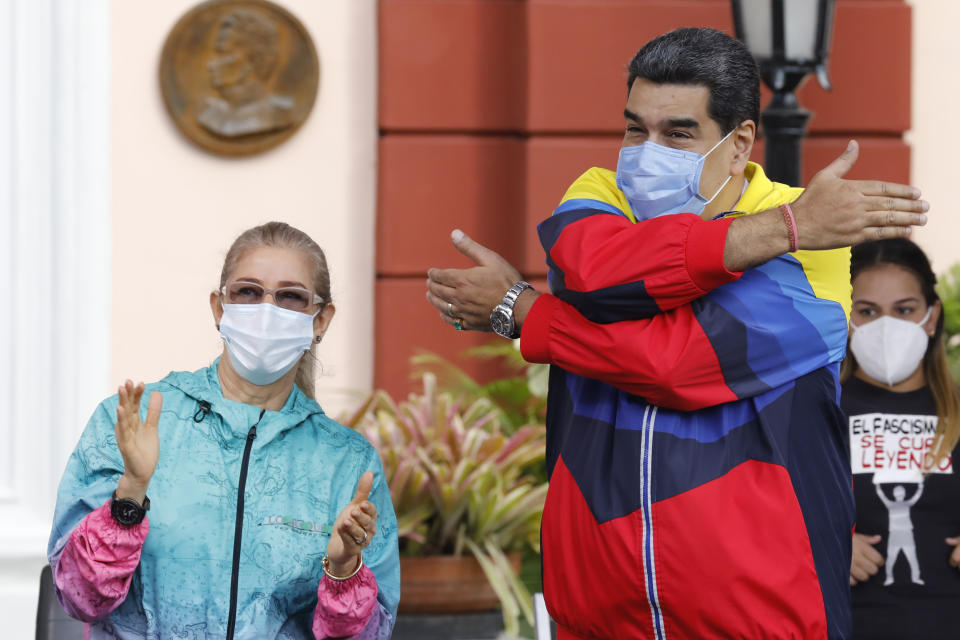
x,y
662,308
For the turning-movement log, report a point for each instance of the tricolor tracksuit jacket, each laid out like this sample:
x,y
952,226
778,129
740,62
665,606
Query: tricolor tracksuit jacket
x,y
699,485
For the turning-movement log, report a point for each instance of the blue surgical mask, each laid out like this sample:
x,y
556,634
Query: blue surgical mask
x,y
658,180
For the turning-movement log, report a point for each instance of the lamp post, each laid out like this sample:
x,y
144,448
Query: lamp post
x,y
789,40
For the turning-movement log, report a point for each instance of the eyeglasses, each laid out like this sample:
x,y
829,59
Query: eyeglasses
x,y
292,298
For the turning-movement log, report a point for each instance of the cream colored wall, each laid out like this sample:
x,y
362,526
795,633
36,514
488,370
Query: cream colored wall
x,y
176,208
935,136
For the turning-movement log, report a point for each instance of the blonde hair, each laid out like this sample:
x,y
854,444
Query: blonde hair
x,y
905,254
281,234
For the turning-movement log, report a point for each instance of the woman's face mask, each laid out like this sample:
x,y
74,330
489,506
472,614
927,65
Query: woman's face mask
x,y
890,349
888,336
264,341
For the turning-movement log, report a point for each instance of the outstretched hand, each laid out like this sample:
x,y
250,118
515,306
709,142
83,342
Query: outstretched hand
x,y
469,295
353,529
834,212
138,441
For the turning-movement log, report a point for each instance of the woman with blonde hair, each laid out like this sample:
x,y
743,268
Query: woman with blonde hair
x,y
903,408
265,518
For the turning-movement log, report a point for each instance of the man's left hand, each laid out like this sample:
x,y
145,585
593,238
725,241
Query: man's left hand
x,y
470,295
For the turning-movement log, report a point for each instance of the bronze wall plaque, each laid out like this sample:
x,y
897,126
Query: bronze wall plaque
x,y
239,76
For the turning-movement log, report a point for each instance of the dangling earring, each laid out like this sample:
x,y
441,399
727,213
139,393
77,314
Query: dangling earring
x,y
319,338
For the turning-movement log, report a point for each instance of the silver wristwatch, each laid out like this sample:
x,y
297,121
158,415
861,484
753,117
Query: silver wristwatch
x,y
501,319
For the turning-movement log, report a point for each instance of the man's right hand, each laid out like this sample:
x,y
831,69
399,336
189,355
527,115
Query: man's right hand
x,y
866,560
833,212
138,441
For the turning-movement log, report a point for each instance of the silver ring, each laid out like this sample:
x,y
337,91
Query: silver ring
x,y
450,309
360,541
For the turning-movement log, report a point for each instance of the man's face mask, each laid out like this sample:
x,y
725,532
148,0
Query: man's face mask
x,y
658,180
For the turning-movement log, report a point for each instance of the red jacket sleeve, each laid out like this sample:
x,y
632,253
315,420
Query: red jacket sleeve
x,y
612,269
668,359
739,341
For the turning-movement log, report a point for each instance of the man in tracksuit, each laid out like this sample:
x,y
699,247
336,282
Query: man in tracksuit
x,y
699,485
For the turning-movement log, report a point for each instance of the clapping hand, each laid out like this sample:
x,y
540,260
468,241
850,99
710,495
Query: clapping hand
x,y
138,441
353,529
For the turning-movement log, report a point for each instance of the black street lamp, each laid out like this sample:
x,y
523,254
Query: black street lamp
x,y
789,40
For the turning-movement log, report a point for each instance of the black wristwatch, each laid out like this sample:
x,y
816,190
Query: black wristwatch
x,y
501,320
127,511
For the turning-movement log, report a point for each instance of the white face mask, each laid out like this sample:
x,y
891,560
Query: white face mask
x,y
889,349
264,341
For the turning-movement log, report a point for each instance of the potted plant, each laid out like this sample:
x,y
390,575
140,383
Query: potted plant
x,y
466,492
521,398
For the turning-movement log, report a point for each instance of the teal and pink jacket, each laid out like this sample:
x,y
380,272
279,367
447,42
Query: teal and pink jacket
x,y
170,576
699,482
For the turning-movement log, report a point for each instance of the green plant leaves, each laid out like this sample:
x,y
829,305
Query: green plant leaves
x,y
519,399
514,596
462,478
948,288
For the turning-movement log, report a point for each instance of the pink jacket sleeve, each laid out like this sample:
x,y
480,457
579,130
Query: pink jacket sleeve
x,y
349,608
96,566
95,569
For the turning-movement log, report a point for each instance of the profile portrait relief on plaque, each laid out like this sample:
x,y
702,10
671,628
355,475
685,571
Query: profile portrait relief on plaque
x,y
239,76
246,58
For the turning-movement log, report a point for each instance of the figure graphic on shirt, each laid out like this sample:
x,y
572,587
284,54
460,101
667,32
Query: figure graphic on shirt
x,y
901,532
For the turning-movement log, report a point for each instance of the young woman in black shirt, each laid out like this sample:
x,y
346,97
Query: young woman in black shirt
x,y
903,408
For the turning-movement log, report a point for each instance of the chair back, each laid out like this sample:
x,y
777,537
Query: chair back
x,y
53,623
543,627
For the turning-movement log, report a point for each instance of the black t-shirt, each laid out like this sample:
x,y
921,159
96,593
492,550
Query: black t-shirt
x,y
916,593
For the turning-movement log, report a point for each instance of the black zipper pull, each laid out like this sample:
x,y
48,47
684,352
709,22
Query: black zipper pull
x,y
202,411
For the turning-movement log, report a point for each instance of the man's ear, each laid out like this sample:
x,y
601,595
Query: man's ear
x,y
216,306
743,138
